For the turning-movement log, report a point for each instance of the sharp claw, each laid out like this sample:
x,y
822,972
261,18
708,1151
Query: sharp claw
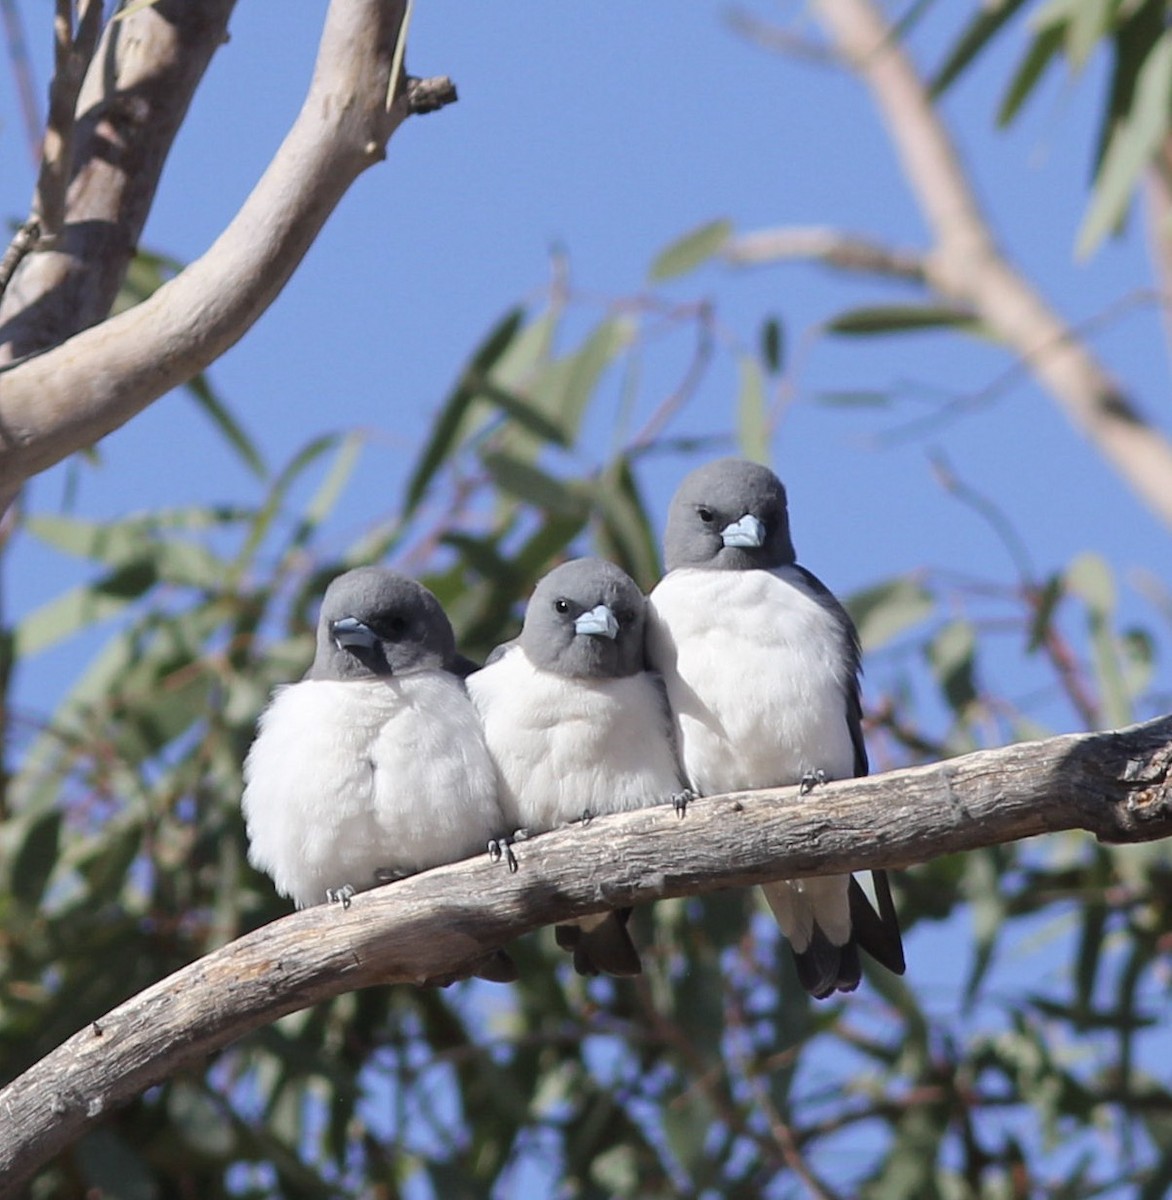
x,y
340,895
810,780
587,816
502,847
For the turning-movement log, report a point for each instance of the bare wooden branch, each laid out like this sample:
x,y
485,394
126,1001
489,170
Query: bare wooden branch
x,y
831,247
1117,786
132,102
71,60
55,403
967,265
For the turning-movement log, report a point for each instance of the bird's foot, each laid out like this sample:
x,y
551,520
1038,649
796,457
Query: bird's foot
x,y
587,816
681,800
810,780
340,895
502,847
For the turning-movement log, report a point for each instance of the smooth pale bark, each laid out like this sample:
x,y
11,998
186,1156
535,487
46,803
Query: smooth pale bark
x,y
60,401
1117,786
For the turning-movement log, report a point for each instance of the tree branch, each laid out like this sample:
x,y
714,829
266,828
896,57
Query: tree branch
x,y
1117,786
55,403
966,264
842,251
104,150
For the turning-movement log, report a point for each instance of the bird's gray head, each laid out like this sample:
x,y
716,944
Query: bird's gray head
x,y
585,619
374,622
728,515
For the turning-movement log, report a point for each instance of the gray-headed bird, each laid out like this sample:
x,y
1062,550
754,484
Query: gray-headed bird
x,y
373,766
577,727
761,665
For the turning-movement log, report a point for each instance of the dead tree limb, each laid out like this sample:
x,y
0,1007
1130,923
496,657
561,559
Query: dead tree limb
x,y
1117,786
60,401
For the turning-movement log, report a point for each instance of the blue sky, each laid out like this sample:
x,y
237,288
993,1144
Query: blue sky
x,y
609,130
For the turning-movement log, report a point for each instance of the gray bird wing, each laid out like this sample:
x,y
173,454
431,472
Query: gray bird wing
x,y
498,652
875,931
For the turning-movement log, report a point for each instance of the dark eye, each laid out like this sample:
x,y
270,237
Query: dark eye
x,y
395,626
562,606
706,515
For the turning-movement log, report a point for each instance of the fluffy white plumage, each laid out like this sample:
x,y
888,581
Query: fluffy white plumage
x,y
756,679
567,745
354,777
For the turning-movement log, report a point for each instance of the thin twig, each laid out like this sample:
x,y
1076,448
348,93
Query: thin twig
x,y
966,264
831,247
24,240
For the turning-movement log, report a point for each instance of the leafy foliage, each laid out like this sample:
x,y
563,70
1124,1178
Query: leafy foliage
x,y
122,853
1138,114
713,1074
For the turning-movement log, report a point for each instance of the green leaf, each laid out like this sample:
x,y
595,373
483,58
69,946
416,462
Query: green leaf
x,y
81,607
326,496
857,398
951,654
108,1165
564,388
518,409
1130,148
688,252
884,611
445,432
532,485
752,418
1087,22
1037,58
773,345
626,536
984,26
233,432
901,318
1090,577
35,857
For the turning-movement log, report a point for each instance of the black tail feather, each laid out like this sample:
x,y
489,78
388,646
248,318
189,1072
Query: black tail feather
x,y
824,968
877,932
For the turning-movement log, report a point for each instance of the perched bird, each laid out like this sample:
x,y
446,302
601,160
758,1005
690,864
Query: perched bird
x,y
373,766
577,727
761,665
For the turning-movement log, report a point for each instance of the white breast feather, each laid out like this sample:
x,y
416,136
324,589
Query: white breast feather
x,y
349,778
755,676
565,746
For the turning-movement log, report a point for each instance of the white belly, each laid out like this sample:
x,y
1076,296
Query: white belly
x,y
755,675
567,746
346,779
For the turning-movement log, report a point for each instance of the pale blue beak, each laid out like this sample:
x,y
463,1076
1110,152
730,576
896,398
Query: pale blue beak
x,y
350,631
599,620
747,533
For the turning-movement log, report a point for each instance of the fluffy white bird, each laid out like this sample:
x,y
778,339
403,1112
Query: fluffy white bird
x,y
761,666
577,727
374,766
